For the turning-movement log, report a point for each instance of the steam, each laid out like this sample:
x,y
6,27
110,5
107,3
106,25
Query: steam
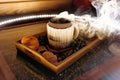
x,y
107,21
105,24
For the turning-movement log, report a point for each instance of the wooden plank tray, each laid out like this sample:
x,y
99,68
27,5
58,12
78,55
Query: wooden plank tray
x,y
63,64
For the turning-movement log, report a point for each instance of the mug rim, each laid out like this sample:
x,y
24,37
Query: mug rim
x,y
59,26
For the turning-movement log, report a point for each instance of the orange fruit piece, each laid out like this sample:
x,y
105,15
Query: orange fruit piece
x,y
31,42
50,57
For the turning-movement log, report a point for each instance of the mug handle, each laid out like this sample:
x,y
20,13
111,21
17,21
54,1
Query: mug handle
x,y
76,31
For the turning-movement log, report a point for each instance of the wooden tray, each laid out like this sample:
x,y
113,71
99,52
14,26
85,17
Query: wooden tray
x,y
65,63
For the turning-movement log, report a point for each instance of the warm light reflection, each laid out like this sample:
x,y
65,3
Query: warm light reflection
x,y
26,18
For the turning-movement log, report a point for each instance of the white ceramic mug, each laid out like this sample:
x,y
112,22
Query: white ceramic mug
x,y
60,34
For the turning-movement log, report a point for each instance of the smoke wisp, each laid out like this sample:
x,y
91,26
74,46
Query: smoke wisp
x,y
105,24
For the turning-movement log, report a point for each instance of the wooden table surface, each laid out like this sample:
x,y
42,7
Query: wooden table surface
x,y
101,63
5,72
